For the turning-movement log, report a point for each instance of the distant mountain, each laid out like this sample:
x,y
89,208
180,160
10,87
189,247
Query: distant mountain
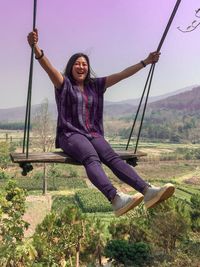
x,y
135,102
187,99
18,113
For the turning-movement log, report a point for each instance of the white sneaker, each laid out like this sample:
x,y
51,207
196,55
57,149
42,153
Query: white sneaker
x,y
155,195
123,203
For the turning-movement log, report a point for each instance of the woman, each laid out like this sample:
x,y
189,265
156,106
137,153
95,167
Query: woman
x,y
79,101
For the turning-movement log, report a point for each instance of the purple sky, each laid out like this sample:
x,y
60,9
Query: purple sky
x,y
115,34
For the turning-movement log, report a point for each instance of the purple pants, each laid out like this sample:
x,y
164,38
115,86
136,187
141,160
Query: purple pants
x,y
91,153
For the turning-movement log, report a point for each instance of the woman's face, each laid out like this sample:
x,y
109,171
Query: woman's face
x,y
80,70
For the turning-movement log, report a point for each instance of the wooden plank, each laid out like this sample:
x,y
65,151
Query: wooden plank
x,y
60,157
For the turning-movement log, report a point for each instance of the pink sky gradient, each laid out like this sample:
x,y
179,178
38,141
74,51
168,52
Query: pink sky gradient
x,y
115,34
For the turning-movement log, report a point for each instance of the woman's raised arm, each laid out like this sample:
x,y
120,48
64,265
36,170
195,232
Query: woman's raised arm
x,y
117,77
55,76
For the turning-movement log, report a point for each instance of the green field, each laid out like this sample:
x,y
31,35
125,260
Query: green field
x,y
164,163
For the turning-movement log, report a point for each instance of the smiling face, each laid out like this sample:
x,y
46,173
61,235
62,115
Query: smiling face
x,y
80,70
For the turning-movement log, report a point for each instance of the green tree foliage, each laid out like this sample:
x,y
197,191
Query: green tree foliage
x,y
119,229
127,253
195,212
94,241
13,251
5,150
131,228
166,124
169,223
57,239
12,125
3,174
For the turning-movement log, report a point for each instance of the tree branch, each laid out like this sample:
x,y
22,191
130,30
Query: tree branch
x,y
193,25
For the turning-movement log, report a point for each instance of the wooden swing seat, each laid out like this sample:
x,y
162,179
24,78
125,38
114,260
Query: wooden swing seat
x,y
60,157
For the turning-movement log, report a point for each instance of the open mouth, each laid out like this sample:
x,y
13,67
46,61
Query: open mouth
x,y
80,72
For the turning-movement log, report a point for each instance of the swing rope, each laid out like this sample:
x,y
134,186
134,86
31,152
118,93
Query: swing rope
x,y
29,94
149,81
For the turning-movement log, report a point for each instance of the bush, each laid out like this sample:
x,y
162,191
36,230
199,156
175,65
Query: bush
x,y
91,200
12,225
72,172
61,202
123,252
4,154
195,212
3,174
57,237
54,171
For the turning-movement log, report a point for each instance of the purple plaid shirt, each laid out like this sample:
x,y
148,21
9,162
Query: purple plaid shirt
x,y
80,112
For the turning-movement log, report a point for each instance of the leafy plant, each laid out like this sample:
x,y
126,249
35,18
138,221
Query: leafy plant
x,y
128,253
195,212
91,200
12,225
3,174
58,237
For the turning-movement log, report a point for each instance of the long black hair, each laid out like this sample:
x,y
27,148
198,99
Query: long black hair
x,y
69,66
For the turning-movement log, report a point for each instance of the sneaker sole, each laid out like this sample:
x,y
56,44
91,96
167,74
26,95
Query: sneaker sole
x,y
136,201
162,196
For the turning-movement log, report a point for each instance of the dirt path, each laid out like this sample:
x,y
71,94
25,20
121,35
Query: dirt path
x,y
37,208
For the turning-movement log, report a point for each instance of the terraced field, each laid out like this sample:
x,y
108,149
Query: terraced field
x,y
67,184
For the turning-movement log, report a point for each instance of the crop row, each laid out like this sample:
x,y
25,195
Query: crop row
x,y
60,202
91,200
58,183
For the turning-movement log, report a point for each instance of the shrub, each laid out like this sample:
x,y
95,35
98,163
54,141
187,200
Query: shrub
x,y
3,174
4,154
73,173
195,212
124,252
61,202
91,200
12,225
58,236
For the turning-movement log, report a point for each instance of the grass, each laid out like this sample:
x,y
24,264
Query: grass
x,y
182,195
169,170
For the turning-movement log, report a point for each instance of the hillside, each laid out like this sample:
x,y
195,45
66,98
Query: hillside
x,y
175,119
186,100
18,113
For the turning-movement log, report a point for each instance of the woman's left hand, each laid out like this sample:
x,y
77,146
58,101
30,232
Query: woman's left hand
x,y
152,58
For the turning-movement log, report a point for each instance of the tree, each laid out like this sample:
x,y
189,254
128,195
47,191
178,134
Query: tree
x,y
133,227
58,238
13,250
94,241
195,23
119,229
169,223
5,150
195,212
43,130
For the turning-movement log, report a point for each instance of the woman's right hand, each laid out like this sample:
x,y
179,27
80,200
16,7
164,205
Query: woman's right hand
x,y
54,75
33,38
